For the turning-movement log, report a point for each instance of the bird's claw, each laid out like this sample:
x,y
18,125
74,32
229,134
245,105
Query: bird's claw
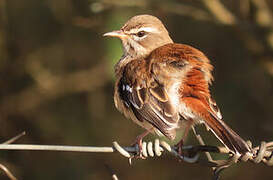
x,y
179,146
139,155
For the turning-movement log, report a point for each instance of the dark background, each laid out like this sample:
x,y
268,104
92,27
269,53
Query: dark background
x,y
57,82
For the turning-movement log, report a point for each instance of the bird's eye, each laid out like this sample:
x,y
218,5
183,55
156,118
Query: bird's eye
x,y
140,33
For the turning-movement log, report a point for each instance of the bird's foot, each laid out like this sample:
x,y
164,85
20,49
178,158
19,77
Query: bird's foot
x,y
138,145
179,146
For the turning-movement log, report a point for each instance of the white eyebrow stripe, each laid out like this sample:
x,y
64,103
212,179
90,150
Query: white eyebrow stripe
x,y
146,29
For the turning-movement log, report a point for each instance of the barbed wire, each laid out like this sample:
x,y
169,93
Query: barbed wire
x,y
190,154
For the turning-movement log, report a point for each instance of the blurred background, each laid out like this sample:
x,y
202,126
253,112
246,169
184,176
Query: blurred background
x,y
56,82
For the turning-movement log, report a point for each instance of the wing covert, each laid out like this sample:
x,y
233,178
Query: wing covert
x,y
149,101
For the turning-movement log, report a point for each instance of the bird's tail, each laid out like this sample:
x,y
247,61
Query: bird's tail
x,y
227,136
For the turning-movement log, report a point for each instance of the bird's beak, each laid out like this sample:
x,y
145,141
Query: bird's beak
x,y
120,34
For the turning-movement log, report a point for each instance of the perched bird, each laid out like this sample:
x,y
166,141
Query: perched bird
x,y
163,86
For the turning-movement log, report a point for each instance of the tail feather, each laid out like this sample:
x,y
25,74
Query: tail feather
x,y
227,136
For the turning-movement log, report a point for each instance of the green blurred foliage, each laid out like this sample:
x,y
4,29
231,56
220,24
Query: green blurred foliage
x,y
57,82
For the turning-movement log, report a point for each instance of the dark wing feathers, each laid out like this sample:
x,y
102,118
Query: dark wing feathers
x,y
148,101
159,93
154,117
135,99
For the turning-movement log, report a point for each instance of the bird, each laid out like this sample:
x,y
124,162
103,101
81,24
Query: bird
x,y
164,86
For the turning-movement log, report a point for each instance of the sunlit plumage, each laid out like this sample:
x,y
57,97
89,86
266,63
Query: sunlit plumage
x,y
162,85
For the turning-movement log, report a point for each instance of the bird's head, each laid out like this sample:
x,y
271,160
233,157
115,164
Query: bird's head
x,y
140,35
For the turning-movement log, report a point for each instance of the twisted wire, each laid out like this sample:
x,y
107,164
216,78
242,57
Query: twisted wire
x,y
150,149
262,153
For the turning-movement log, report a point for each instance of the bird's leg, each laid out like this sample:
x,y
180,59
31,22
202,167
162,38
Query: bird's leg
x,y
138,141
180,144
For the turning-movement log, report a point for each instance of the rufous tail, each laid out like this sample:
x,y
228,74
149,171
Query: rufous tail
x,y
227,136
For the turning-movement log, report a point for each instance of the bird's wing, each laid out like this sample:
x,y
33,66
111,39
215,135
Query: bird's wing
x,y
148,99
